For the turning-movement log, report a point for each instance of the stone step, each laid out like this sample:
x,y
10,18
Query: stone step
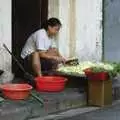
x,y
31,108
63,101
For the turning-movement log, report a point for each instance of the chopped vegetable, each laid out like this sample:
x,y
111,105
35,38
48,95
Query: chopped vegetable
x,y
78,69
112,68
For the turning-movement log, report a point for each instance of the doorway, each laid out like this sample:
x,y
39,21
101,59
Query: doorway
x,y
27,16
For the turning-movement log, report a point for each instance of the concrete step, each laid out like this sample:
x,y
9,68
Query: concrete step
x,y
31,108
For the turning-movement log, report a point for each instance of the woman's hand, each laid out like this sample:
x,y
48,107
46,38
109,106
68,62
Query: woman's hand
x,y
63,60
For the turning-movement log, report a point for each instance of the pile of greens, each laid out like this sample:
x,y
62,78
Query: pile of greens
x,y
111,73
113,69
116,69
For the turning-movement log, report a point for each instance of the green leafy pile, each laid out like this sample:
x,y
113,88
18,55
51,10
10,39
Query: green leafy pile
x,y
111,73
112,68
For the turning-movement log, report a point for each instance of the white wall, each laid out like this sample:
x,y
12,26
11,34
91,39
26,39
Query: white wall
x,y
81,33
5,33
86,34
89,30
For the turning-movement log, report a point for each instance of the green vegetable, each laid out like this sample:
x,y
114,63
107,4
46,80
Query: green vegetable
x,y
112,68
111,73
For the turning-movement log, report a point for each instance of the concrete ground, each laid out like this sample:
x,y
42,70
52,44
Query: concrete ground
x,y
31,108
67,114
88,113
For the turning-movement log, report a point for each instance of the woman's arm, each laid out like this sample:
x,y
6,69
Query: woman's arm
x,y
45,54
49,55
54,52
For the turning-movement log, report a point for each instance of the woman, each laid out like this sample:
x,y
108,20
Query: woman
x,y
40,52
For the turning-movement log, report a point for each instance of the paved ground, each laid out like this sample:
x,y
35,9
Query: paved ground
x,y
53,102
88,113
112,113
70,113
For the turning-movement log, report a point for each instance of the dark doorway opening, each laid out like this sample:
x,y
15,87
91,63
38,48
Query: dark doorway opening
x,y
27,16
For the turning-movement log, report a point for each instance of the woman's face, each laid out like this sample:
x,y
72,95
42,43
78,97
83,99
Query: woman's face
x,y
53,30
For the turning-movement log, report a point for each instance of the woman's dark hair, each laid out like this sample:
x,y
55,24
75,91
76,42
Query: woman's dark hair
x,y
51,22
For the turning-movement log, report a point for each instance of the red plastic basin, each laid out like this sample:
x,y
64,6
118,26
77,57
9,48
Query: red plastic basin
x,y
99,76
16,91
96,76
50,83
